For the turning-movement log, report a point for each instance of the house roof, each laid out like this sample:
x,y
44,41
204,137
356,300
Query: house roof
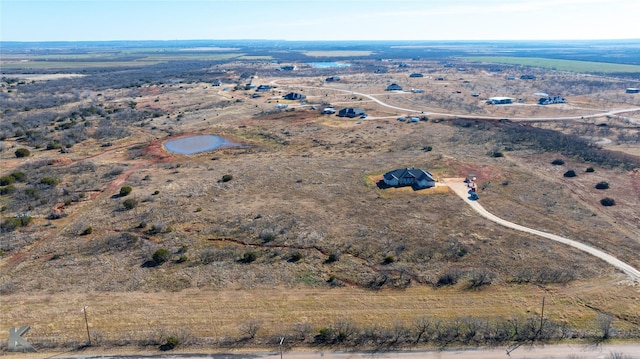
x,y
416,173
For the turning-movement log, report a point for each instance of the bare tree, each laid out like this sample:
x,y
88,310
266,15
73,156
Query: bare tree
x,y
250,328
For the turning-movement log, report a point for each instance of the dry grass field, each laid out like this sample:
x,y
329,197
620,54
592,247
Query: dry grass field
x,y
301,235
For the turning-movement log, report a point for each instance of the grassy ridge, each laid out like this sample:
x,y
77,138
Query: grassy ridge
x,y
557,64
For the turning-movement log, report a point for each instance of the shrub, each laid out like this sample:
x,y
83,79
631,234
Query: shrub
x,y
53,146
333,257
50,181
7,180
590,169
160,256
388,260
295,257
22,152
602,185
170,344
19,176
449,277
7,190
11,224
570,173
607,202
87,231
248,257
129,203
227,178
427,148
497,154
557,162
125,190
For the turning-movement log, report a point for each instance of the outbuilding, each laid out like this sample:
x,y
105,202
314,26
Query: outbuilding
x,y
394,87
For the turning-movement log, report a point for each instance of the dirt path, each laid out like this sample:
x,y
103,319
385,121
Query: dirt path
x,y
460,188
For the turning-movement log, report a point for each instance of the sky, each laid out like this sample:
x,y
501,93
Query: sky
x,y
100,20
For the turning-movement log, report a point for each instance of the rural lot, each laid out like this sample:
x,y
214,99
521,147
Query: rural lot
x,y
291,231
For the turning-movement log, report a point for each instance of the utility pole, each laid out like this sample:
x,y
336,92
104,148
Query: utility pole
x,y
86,323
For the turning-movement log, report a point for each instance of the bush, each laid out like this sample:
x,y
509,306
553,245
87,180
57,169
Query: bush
x,y
160,256
87,231
497,154
333,257
22,152
590,169
557,162
607,202
388,260
602,185
50,181
7,180
170,344
449,277
125,190
7,190
227,178
130,203
570,173
295,257
19,176
248,257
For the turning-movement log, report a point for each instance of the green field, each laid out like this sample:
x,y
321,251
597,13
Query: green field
x,y
556,64
94,60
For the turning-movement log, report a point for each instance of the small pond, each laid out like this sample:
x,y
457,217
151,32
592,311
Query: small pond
x,y
328,64
196,144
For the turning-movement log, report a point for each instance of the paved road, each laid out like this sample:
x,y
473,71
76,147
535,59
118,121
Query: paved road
x,y
460,188
626,351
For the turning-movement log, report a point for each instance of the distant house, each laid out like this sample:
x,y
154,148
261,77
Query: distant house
x,y
416,74
402,65
499,100
294,96
417,90
328,111
475,94
286,68
394,87
263,88
216,82
351,112
527,77
633,90
414,177
551,100
439,78
332,79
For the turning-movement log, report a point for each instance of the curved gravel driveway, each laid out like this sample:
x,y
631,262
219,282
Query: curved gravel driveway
x,y
460,188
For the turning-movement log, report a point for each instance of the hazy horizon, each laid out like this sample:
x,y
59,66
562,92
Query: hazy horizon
x,y
329,20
